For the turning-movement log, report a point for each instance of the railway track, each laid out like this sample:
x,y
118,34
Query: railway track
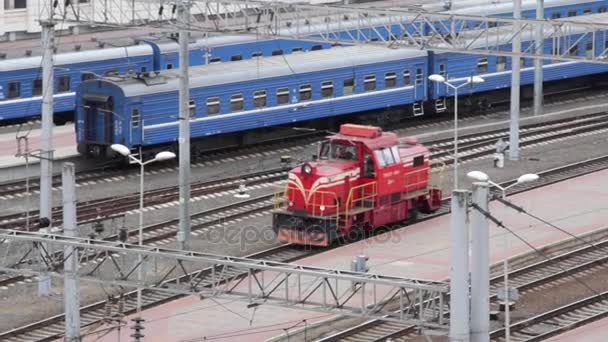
x,y
525,278
473,146
115,206
557,321
53,327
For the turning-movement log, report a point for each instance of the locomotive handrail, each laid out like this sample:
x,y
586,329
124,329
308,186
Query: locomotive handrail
x,y
416,180
319,203
350,200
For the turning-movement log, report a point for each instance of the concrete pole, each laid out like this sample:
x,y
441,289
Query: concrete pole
x,y
183,233
515,65
459,268
538,63
140,239
455,138
46,143
71,293
480,267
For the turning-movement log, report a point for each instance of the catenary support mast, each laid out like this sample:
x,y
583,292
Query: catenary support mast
x,y
183,234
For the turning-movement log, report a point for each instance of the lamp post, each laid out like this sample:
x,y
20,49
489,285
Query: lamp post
x,y
160,156
468,80
526,178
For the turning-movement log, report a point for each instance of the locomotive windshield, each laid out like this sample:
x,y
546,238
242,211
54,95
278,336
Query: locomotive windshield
x,y
338,151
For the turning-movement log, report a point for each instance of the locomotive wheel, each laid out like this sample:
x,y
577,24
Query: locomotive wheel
x,y
83,150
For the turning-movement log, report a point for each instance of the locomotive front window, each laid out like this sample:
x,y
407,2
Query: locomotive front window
x,y
338,151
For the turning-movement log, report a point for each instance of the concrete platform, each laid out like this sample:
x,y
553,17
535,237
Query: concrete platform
x,y
419,251
594,332
63,143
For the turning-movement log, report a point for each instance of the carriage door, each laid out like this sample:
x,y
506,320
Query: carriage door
x,y
136,125
419,89
98,119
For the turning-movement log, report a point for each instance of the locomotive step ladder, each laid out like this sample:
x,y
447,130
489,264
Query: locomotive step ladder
x,y
418,109
440,106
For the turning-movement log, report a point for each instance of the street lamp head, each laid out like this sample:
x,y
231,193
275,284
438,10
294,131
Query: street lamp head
x,y
437,78
476,79
478,176
528,177
122,149
165,155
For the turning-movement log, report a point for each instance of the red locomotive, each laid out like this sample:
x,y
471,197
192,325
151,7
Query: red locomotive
x,y
364,178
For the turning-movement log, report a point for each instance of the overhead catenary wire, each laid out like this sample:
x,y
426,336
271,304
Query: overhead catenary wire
x,y
538,251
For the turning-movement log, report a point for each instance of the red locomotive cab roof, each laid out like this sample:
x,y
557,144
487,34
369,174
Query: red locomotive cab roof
x,y
371,136
411,147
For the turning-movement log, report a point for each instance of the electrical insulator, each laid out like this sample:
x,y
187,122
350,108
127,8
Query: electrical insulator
x,y
44,222
137,328
98,227
123,235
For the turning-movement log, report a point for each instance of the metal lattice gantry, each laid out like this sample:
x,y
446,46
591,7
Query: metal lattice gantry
x,y
410,27
255,282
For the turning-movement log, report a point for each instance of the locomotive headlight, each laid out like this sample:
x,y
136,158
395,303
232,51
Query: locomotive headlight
x,y
291,203
306,169
322,208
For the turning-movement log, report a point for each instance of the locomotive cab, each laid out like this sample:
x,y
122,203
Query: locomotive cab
x,y
364,178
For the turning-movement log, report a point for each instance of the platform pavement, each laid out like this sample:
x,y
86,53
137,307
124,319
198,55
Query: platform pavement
x,y
592,332
63,143
420,251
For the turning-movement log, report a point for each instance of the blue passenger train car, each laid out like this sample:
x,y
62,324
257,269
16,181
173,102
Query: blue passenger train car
x,y
21,83
246,95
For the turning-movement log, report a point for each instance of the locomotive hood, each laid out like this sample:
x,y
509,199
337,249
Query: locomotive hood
x,y
323,174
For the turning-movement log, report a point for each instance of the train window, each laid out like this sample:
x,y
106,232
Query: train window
x,y
335,151
277,52
482,65
192,109
406,77
316,47
297,49
327,89
85,76
501,63
388,156
143,69
492,24
390,80
587,11
305,92
169,66
395,151
215,60
589,50
418,161
442,69
572,13
37,87
556,15
213,105
236,58
282,95
14,90
369,83
348,86
135,118
63,84
601,9
257,54
112,72
380,158
368,166
573,51
259,98
419,75
236,102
